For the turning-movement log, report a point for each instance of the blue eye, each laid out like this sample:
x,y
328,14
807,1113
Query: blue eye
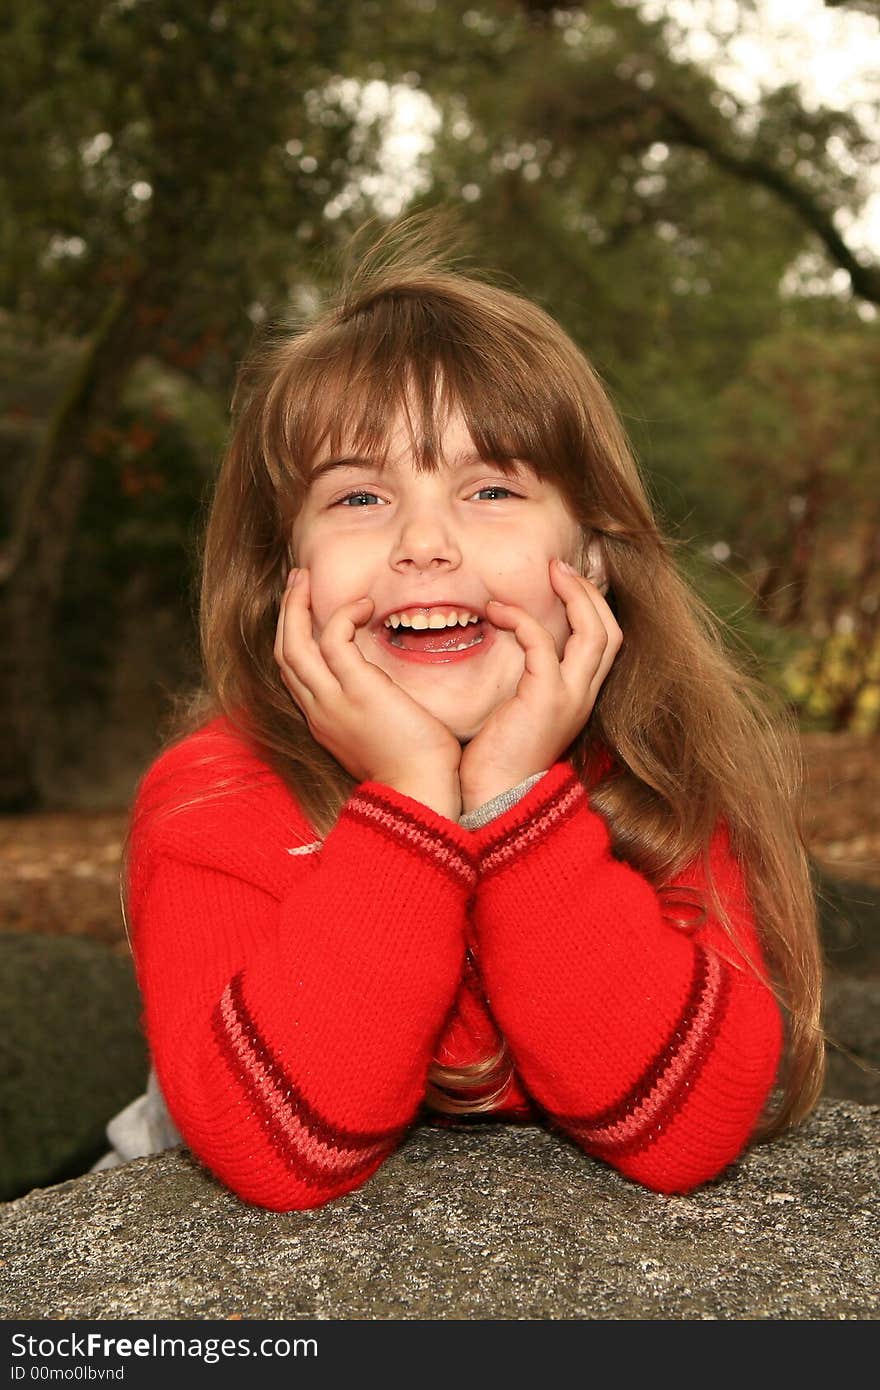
x,y
493,487
496,487
349,495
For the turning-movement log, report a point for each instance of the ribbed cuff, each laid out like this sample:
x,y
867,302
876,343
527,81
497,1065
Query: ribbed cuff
x,y
482,815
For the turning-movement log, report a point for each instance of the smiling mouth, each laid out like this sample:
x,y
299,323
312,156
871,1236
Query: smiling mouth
x,y
436,639
438,646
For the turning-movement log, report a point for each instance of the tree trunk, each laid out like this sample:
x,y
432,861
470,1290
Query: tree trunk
x,y
801,555
32,570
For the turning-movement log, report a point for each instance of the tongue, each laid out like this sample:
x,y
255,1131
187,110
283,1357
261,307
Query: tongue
x,y
438,639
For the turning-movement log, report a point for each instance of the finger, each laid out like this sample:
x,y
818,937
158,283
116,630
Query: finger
x,y
344,657
612,627
537,643
296,652
283,652
595,637
584,617
569,583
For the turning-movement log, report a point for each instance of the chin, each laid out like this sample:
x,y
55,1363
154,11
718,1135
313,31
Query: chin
x,y
465,735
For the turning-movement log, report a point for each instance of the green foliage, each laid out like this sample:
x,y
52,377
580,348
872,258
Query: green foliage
x,y
162,131
761,647
796,435
821,675
806,406
152,466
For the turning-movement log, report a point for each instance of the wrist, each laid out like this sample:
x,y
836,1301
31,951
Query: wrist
x,y
442,797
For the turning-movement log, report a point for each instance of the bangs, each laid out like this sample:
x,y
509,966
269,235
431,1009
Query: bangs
x,y
413,358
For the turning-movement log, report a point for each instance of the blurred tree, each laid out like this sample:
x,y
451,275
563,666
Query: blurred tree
x,y
659,217
797,438
154,190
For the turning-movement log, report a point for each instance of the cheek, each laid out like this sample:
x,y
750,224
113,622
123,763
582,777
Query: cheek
x,y
551,611
323,603
328,587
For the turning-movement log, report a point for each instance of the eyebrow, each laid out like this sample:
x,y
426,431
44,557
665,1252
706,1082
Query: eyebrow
x,y
356,461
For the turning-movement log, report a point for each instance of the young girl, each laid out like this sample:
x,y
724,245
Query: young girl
x,y
475,814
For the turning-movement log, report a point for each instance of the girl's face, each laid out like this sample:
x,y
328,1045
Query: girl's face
x,y
455,538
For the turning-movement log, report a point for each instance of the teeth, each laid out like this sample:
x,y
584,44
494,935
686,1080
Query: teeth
x,y
432,620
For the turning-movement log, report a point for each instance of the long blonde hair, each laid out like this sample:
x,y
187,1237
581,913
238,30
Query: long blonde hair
x,y
694,735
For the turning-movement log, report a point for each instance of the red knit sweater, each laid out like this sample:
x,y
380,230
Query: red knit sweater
x,y
296,991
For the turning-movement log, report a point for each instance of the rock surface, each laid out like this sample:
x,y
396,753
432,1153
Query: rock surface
x,y
484,1221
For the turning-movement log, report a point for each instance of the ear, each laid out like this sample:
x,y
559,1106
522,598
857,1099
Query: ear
x,y
595,567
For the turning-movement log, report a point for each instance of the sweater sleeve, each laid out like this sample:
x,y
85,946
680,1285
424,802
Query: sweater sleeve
x,y
292,1029
653,1047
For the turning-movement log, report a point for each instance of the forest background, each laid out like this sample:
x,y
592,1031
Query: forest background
x,y
175,174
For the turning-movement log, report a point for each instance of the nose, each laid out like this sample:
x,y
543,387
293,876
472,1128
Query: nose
x,y
425,539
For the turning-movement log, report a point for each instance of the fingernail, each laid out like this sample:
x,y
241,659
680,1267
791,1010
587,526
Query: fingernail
x,y
300,575
291,578
564,565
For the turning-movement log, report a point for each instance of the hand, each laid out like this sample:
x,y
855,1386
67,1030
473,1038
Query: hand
x,y
553,700
356,711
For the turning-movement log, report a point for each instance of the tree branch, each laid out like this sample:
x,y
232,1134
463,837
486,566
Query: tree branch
x,y
871,7
752,169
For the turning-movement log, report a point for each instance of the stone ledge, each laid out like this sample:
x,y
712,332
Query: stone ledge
x,y
486,1222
